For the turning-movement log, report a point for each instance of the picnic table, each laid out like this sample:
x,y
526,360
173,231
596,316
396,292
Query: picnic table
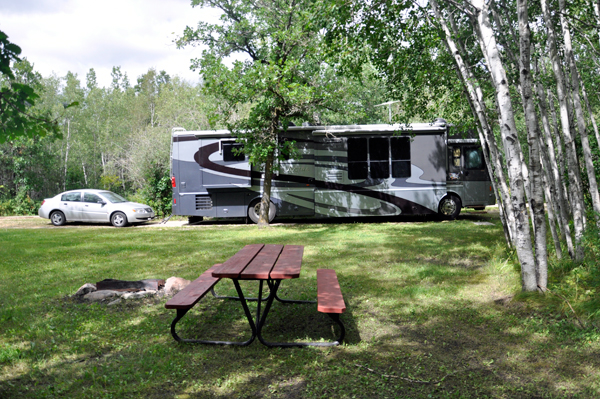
x,y
266,264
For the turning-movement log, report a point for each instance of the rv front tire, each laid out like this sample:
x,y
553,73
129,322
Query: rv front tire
x,y
449,207
254,211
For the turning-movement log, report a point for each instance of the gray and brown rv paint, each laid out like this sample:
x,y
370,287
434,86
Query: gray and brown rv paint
x,y
342,171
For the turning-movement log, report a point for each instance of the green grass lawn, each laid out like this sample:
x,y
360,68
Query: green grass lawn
x,y
429,314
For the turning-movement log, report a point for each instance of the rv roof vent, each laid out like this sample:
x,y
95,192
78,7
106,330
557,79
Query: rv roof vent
x,y
440,122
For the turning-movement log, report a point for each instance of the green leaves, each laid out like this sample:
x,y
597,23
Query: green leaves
x,y
17,100
275,76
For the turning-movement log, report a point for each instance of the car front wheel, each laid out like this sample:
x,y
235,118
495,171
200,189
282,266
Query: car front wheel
x,y
450,207
118,219
58,218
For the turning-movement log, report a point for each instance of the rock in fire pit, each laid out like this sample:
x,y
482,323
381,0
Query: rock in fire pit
x,y
117,290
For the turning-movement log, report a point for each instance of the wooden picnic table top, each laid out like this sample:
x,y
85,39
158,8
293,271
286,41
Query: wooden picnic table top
x,y
262,262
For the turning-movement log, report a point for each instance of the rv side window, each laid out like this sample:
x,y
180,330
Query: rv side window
x,y
473,158
379,154
400,156
229,155
357,158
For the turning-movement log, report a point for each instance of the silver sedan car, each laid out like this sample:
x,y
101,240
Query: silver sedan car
x,y
94,206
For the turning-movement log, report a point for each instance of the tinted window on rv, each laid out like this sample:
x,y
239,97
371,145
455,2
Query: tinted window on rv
x,y
229,155
375,157
400,156
379,155
473,158
357,158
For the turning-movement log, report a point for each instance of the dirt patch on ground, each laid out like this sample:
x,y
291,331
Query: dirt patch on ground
x,y
36,222
24,222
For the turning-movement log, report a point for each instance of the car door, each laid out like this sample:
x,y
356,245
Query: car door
x,y
70,205
94,208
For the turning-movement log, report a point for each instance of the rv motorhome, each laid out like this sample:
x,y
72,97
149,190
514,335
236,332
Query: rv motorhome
x,y
341,171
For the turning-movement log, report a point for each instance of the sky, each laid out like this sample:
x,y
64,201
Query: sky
x,y
58,36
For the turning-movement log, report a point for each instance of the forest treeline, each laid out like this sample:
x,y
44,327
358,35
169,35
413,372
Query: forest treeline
x,y
118,137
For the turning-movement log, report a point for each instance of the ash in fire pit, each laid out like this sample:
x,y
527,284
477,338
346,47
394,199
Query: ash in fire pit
x,y
116,290
130,286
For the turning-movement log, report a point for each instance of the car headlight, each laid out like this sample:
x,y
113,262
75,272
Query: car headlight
x,y
139,210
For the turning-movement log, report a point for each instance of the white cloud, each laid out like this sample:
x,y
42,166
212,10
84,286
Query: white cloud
x,y
58,36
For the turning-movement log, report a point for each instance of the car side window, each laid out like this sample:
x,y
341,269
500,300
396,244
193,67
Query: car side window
x,y
71,197
89,197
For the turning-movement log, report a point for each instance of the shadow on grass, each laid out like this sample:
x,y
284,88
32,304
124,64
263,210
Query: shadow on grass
x,y
458,348
421,319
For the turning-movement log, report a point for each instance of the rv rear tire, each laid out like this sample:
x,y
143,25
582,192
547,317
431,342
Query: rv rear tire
x,y
254,211
449,207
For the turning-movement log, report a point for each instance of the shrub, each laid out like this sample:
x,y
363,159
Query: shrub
x,y
158,191
22,204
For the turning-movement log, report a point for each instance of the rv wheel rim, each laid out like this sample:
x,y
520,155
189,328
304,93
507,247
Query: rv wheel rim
x,y
448,207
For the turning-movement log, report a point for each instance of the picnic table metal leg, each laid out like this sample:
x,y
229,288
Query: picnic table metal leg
x,y
274,286
245,306
182,312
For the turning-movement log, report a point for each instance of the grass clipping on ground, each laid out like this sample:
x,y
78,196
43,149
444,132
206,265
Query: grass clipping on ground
x,y
431,312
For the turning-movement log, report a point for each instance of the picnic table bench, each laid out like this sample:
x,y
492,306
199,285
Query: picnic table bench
x,y
263,263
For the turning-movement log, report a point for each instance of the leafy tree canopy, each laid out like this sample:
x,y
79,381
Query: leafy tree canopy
x,y
278,69
18,117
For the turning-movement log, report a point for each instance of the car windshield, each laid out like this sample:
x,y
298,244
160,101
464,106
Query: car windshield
x,y
112,197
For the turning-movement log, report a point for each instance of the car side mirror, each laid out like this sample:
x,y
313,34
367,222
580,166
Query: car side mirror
x,y
102,202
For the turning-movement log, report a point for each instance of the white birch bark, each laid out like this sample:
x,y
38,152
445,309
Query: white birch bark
x,y
476,100
85,179
560,154
508,130
571,154
590,112
536,183
555,173
67,154
580,118
521,158
550,200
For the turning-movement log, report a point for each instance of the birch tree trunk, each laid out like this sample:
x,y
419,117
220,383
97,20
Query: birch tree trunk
x,y
571,154
560,153
555,173
585,142
591,112
508,130
67,154
550,200
85,179
486,136
537,195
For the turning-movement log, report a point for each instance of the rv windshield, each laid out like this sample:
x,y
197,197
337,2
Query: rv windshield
x,y
112,197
